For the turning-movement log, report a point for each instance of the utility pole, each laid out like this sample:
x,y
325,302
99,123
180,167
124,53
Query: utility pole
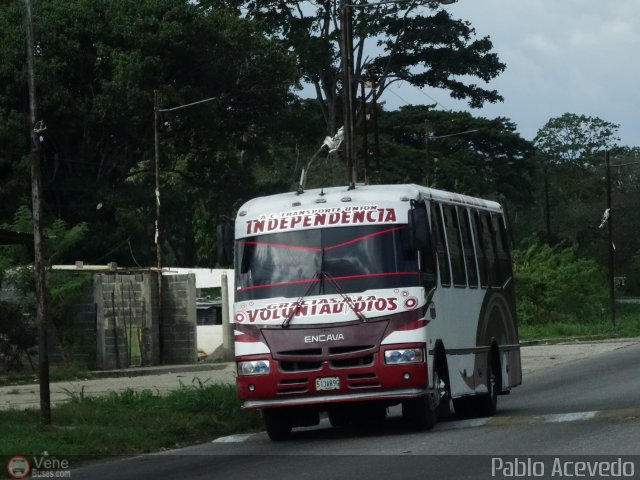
x,y
612,287
365,133
374,118
347,89
35,159
158,233
158,237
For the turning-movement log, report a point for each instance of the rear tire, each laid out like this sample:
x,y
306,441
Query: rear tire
x,y
484,404
277,423
487,403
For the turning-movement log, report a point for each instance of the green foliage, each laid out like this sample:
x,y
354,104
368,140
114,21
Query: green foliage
x,y
64,290
96,75
576,139
470,155
419,43
17,336
554,285
65,293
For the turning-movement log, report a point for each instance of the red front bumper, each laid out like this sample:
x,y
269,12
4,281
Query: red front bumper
x,y
375,381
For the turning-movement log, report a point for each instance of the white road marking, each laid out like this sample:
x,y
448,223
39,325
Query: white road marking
x,y
238,438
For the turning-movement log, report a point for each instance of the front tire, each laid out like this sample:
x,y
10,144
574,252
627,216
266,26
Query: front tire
x,y
277,423
420,412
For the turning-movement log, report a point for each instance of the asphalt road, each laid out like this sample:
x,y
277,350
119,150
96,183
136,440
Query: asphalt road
x,y
587,410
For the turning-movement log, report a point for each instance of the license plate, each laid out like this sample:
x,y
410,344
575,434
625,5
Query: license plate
x,y
328,383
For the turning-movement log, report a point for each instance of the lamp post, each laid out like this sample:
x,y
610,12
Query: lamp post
x,y
612,287
158,231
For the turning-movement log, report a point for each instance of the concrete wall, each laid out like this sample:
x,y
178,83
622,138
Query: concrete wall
x,y
128,321
179,319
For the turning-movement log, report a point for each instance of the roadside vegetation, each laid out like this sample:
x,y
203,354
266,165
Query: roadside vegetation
x,y
128,422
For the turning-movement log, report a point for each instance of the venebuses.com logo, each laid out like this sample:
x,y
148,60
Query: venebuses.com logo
x,y
42,466
18,467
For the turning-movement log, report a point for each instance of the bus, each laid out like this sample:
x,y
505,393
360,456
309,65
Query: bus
x,y
349,301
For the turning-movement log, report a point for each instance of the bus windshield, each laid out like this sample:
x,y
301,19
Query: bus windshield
x,y
293,264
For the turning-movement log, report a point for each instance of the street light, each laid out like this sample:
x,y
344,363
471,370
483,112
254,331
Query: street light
x,y
158,239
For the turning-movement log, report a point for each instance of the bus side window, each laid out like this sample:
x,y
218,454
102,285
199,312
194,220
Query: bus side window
x,y
489,242
480,249
502,249
467,247
452,229
440,245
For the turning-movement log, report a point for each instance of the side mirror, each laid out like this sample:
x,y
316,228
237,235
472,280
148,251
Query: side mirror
x,y
419,228
224,243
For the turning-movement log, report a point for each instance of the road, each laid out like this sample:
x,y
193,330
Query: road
x,y
588,407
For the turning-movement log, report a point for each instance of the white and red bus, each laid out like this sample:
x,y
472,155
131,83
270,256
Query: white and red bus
x,y
348,301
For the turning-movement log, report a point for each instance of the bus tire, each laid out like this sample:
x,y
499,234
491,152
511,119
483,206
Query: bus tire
x,y
441,386
277,423
486,404
420,412
339,417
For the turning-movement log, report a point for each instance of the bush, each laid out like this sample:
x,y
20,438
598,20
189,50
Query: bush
x,y
553,284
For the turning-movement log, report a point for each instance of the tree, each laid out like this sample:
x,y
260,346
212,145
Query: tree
x,y
97,75
571,150
472,155
414,42
576,139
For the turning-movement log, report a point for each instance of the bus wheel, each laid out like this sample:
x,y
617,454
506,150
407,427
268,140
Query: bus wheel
x,y
443,391
339,416
277,423
487,403
420,412
484,404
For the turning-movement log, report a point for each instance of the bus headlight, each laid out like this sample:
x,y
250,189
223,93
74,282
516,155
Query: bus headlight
x,y
403,355
253,367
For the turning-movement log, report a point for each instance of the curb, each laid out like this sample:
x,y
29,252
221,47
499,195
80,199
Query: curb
x,y
158,370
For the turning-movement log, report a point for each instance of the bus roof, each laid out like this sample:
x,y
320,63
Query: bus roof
x,y
337,196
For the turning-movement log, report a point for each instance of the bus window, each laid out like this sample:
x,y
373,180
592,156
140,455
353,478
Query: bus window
x,y
489,243
441,245
480,250
502,249
467,247
452,229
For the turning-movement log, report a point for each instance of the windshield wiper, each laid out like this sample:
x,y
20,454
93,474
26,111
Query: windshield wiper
x,y
345,297
318,277
312,283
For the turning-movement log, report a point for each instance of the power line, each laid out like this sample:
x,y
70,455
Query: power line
x,y
405,102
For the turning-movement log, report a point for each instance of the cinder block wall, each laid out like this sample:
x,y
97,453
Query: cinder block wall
x,y
179,319
124,320
128,320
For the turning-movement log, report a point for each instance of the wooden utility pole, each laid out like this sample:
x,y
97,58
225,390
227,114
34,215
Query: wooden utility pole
x,y
347,89
158,237
37,127
612,286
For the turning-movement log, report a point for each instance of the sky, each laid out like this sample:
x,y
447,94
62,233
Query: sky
x,y
562,56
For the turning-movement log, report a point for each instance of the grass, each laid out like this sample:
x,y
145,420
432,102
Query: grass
x,y
128,422
627,325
